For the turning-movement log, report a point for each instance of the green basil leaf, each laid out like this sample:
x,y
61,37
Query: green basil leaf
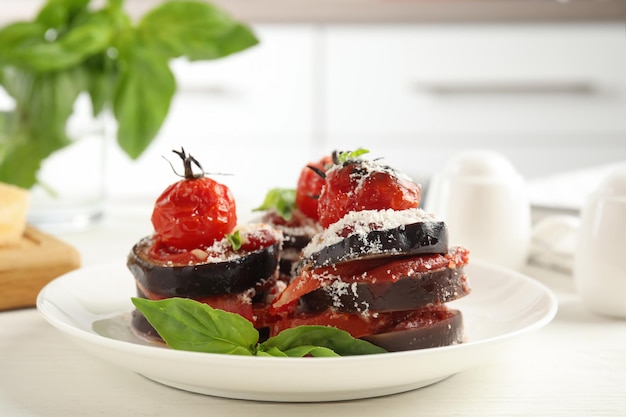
x,y
18,35
119,65
115,3
298,352
300,338
347,155
117,17
59,13
103,68
100,83
142,98
30,49
275,352
235,240
237,39
208,32
102,72
20,159
186,324
316,351
73,47
44,102
282,200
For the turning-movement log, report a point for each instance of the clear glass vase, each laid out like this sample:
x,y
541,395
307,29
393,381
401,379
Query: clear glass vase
x,y
71,191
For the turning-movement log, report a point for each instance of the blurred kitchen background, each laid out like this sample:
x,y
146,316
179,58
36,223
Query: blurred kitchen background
x,y
415,81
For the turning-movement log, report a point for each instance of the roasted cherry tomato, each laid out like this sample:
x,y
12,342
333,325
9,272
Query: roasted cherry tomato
x,y
195,211
357,185
310,185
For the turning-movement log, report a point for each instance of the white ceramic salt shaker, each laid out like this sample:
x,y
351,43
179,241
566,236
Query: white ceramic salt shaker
x,y
599,271
484,202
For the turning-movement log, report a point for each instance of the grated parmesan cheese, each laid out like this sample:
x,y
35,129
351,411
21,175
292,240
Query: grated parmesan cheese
x,y
363,222
220,250
367,167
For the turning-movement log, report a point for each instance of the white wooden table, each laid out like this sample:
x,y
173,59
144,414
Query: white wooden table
x,y
574,367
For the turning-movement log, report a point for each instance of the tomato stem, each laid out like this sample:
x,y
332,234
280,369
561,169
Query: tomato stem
x,y
187,161
318,171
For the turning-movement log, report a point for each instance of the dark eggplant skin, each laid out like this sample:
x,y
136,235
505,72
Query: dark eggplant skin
x,y
142,328
434,287
297,233
288,261
202,279
411,239
293,241
449,331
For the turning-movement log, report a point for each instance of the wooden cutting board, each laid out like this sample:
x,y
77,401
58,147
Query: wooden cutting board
x,y
26,267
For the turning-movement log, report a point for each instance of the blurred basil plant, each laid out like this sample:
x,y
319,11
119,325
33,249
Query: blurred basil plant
x,y
70,48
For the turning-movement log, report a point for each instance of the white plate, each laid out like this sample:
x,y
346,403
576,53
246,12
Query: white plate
x,y
92,306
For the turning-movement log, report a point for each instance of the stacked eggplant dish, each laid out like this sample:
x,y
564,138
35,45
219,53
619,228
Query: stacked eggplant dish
x,y
348,249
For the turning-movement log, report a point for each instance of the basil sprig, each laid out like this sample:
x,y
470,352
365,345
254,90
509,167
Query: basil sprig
x,y
235,240
283,200
186,324
71,47
344,156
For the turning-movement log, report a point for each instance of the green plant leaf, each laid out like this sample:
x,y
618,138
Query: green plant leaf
x,y
301,340
142,98
282,200
239,38
315,351
16,36
208,32
275,352
59,13
347,155
121,66
20,159
235,240
44,102
100,82
298,352
27,47
36,128
103,68
186,324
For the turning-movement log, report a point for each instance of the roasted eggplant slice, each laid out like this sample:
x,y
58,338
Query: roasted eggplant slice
x,y
443,328
431,326
198,280
405,240
408,293
297,233
142,328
